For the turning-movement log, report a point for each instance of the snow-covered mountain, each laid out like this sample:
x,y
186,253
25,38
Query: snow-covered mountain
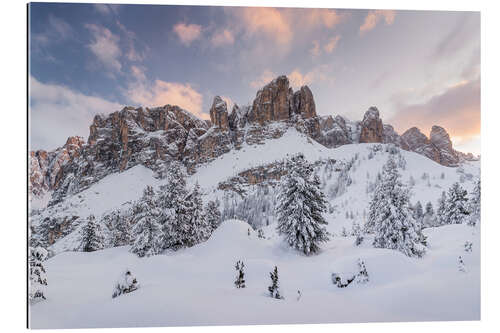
x,y
238,159
155,137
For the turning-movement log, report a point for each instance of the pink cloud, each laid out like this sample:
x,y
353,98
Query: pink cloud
x,y
266,77
373,17
269,21
458,109
162,92
327,17
224,37
332,43
187,33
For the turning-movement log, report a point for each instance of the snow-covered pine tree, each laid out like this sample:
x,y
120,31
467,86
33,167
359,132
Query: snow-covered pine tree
x,y
240,274
468,246
91,236
357,232
37,274
147,230
456,205
440,214
120,229
474,206
274,289
301,206
260,233
429,218
418,211
126,284
198,228
213,214
173,205
362,276
391,215
461,264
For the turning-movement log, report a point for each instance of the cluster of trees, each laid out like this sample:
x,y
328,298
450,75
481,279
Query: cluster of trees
x,y
37,274
256,207
398,225
390,215
171,218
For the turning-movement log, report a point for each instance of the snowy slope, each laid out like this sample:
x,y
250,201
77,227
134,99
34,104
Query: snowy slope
x,y
195,286
121,189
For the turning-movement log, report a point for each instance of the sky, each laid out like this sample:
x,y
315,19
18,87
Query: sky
x,y
419,68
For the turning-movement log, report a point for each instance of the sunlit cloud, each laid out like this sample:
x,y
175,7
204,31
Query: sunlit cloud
x,y
72,110
161,93
264,20
373,18
187,33
332,43
328,18
458,109
266,77
104,46
224,37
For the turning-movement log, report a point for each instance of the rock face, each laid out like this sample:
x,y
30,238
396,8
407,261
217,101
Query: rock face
x,y
123,139
438,147
45,167
372,129
441,140
277,102
157,136
218,113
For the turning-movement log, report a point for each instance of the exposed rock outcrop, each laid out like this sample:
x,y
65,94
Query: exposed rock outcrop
x,y
45,167
155,137
372,129
218,113
441,140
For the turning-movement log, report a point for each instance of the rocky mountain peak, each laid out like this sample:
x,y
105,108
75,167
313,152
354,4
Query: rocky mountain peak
x,y
441,140
218,113
154,137
277,102
372,129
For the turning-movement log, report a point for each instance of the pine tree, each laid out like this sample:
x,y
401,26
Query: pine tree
x,y
260,233
418,212
198,228
392,221
174,210
461,265
274,287
126,284
91,236
362,276
357,232
147,230
440,215
428,219
119,224
301,206
37,274
240,277
474,206
213,214
456,205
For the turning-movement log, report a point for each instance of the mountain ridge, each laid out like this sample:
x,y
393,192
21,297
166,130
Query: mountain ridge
x,y
155,137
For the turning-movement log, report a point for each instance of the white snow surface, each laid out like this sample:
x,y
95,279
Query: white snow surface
x,y
195,286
